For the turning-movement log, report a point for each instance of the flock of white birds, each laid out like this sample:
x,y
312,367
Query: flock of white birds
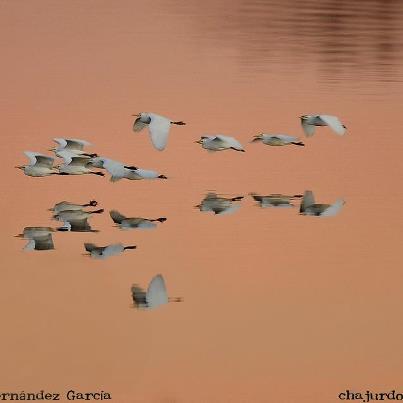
x,y
76,161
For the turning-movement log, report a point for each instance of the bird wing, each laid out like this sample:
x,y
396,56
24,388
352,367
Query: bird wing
x,y
89,247
62,142
227,210
307,201
78,225
116,216
156,292
230,141
79,161
308,128
145,173
146,224
39,159
159,130
139,125
113,250
286,138
334,123
30,245
114,168
44,243
333,209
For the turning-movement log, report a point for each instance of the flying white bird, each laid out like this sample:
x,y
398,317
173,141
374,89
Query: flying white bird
x,y
158,127
309,207
78,165
39,165
65,205
71,147
155,296
39,238
118,170
275,200
134,222
218,204
309,122
277,139
103,252
220,143
76,220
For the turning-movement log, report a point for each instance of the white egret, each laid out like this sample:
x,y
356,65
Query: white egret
x,y
308,123
277,139
218,204
39,165
309,207
103,252
158,127
71,147
65,205
118,170
78,165
134,222
155,296
220,142
275,200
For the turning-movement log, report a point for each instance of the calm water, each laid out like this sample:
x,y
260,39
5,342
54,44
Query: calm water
x,y
277,307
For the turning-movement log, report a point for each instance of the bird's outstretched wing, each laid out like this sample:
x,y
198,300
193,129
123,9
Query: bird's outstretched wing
x,y
39,159
139,125
89,247
307,201
71,144
116,216
334,123
113,250
229,141
159,130
334,208
146,173
309,129
156,292
78,161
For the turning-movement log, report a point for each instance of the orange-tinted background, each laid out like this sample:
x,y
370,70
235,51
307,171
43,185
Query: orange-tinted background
x,y
277,307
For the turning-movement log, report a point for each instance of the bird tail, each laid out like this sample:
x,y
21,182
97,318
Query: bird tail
x,y
299,143
116,216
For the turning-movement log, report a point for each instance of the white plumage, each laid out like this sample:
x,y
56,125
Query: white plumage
x,y
277,139
158,127
220,142
308,123
39,165
309,207
104,252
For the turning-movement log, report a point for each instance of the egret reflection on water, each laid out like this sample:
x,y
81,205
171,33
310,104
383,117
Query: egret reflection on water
x,y
219,204
134,222
39,238
309,207
66,205
275,200
155,296
104,252
158,127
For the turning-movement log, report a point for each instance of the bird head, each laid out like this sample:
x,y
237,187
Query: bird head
x,y
258,137
200,141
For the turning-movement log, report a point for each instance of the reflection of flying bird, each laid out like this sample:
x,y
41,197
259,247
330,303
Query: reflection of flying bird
x,y
275,200
309,207
277,139
71,148
155,296
309,122
65,205
218,204
158,127
118,170
103,252
76,220
220,143
134,222
39,238
77,166
39,165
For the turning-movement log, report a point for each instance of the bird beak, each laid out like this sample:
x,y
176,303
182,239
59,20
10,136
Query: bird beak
x,y
19,167
198,141
136,114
